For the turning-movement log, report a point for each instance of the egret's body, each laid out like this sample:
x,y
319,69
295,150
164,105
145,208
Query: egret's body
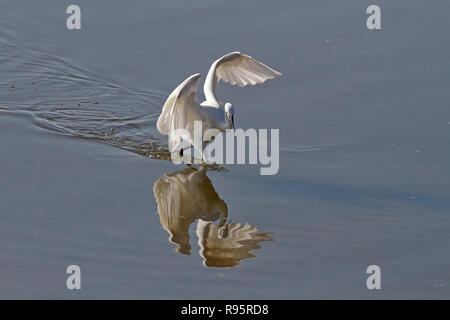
x,y
181,108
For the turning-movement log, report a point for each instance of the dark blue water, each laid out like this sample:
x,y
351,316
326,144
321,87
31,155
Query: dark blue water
x,y
364,152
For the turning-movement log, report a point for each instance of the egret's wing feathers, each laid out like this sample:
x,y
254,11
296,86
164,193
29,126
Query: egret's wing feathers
x,y
183,94
179,110
241,69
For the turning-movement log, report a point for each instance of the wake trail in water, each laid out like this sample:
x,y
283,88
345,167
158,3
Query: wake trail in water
x,y
66,99
69,100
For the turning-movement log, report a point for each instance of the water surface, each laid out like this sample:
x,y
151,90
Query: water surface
x,y
364,132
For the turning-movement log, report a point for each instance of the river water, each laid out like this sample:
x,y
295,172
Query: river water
x,y
364,179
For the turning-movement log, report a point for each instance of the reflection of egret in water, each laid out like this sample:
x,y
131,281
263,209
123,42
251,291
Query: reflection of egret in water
x,y
188,195
184,197
226,246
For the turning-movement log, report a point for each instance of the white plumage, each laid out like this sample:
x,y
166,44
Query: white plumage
x,y
181,108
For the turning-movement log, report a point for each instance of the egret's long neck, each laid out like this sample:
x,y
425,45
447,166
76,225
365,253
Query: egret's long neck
x,y
210,86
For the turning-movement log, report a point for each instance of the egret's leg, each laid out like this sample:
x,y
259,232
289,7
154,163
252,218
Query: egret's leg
x,y
181,152
204,158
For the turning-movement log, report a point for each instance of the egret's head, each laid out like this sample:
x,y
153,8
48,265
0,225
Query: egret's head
x,y
229,113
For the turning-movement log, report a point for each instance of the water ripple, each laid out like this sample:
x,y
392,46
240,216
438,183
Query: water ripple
x,y
68,100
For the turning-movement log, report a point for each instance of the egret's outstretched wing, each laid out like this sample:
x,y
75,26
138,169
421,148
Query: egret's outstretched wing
x,y
237,68
184,94
179,110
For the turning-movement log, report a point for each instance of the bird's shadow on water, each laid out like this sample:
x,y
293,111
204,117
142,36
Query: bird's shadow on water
x,y
188,196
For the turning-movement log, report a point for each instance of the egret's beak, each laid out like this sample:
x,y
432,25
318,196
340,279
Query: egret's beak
x,y
223,230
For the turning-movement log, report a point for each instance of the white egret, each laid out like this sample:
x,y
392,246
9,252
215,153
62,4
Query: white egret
x,y
181,108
